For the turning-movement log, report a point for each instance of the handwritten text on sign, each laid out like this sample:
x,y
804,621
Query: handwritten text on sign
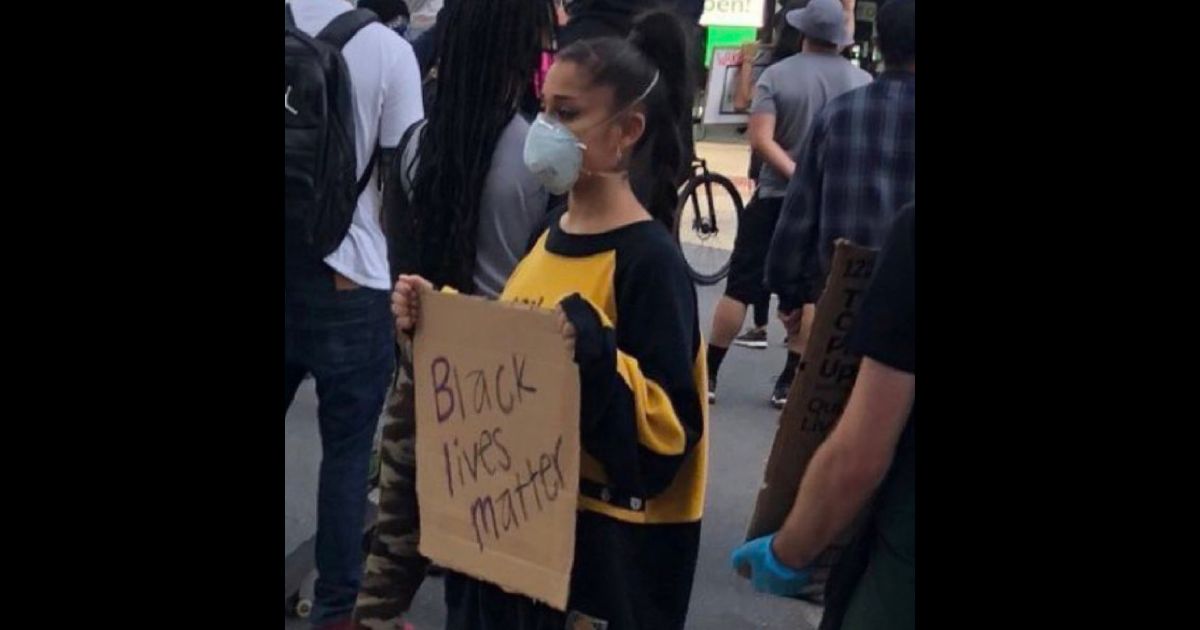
x,y
497,443
487,454
836,369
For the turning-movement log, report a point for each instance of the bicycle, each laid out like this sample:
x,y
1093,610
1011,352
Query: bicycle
x,y
706,239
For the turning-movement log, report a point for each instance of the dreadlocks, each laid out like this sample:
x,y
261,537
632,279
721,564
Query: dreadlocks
x,y
485,67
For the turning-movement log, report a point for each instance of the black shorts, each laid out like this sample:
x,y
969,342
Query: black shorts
x,y
756,226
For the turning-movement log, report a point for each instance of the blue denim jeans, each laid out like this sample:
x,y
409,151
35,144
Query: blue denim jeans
x,y
346,340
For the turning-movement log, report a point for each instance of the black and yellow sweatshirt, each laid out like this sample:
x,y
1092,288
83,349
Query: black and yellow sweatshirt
x,y
643,428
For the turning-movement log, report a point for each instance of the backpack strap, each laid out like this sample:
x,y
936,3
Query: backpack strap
x,y
366,176
398,216
345,26
402,151
339,31
407,137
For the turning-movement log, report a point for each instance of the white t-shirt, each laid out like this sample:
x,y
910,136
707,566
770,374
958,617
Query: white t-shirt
x,y
387,99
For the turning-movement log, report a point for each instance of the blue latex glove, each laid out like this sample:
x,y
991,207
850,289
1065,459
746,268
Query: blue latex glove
x,y
767,573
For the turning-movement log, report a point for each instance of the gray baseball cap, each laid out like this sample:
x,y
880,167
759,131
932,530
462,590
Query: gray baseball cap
x,y
823,20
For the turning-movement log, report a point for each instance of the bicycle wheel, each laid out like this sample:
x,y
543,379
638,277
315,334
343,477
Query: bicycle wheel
x,y
706,223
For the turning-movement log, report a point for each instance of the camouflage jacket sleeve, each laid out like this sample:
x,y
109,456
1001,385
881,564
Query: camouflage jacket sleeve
x,y
394,569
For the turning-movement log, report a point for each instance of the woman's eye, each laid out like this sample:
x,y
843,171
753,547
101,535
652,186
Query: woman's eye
x,y
565,114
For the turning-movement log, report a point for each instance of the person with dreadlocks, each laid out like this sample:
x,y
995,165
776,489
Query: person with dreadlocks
x,y
473,201
460,207
628,308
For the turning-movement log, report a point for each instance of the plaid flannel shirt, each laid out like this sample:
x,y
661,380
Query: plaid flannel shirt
x,y
857,169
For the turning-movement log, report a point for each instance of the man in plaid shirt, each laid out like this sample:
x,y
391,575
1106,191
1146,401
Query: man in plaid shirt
x,y
857,170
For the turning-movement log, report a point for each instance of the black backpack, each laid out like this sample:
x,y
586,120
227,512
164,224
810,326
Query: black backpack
x,y
319,163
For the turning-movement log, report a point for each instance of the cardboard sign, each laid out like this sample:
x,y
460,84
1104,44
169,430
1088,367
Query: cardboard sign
x,y
815,402
497,400
733,13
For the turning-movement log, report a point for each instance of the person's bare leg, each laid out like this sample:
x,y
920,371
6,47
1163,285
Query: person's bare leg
x,y
727,321
798,338
797,341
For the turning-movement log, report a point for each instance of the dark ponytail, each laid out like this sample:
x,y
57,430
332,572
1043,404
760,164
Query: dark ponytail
x,y
657,44
660,36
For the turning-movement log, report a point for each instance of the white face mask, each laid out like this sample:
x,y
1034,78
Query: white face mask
x,y
555,155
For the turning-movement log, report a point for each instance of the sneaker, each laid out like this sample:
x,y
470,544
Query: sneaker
x,y
712,390
753,338
779,396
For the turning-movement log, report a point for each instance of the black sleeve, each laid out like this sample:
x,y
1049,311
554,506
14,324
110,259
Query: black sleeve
x,y
641,411
886,327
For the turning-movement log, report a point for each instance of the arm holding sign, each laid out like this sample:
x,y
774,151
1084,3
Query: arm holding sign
x,y
640,410
406,302
844,473
855,459
745,78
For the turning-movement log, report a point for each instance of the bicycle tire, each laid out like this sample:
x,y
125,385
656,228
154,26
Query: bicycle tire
x,y
702,277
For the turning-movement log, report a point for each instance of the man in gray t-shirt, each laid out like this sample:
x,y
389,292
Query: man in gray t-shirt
x,y
786,100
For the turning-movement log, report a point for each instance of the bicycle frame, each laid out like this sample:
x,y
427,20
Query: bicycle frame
x,y
700,169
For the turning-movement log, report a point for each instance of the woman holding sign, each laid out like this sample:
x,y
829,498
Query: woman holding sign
x,y
629,307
